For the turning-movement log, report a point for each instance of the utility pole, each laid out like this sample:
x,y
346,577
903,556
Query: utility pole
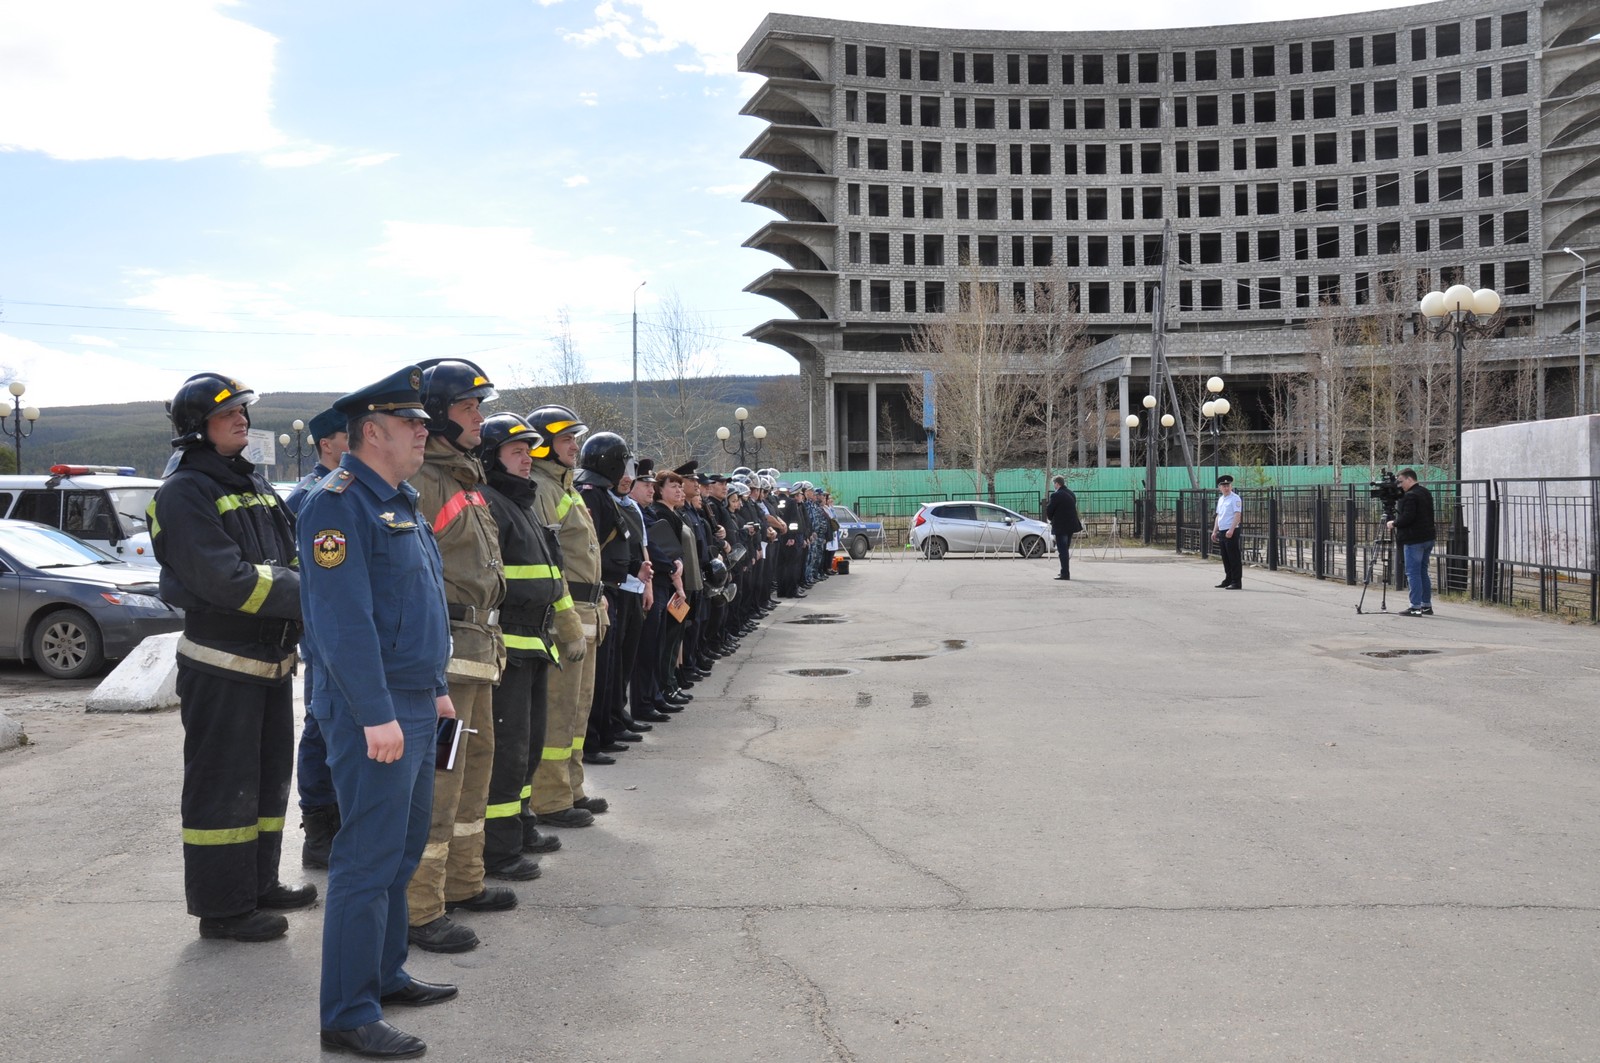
x,y
633,440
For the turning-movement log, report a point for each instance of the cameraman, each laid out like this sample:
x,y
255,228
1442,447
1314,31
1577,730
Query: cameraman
x,y
1413,529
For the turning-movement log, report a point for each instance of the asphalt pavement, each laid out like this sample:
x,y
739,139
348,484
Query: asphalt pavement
x,y
1128,817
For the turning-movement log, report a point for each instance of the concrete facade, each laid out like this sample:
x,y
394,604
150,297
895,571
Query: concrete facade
x,y
1345,161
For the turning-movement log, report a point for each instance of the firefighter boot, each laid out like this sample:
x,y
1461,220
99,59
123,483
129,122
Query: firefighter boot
x,y
320,825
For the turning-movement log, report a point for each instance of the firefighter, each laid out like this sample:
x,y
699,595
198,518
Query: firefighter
x,y
319,808
557,797
227,554
533,585
603,462
450,495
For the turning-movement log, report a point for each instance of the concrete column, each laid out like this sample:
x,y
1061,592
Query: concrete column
x,y
1122,418
872,425
1100,425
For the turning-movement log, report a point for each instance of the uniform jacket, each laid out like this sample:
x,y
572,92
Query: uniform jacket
x,y
1062,511
297,496
533,571
450,495
227,554
666,546
633,517
557,505
373,594
609,527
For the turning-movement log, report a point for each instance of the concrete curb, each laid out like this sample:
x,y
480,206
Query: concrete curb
x,y
146,680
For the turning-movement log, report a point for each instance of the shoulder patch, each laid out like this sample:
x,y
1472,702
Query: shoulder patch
x,y
328,548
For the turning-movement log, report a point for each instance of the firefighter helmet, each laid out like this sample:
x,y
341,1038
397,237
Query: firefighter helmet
x,y
550,421
200,397
446,381
501,429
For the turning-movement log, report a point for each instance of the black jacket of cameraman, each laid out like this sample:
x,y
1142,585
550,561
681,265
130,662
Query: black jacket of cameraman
x,y
1413,517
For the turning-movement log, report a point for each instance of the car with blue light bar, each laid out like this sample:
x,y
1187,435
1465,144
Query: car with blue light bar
x,y
104,505
69,607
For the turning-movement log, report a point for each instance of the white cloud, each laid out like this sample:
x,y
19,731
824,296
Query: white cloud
x,y
200,302
96,79
504,271
296,158
576,180
729,190
67,375
589,99
92,341
372,160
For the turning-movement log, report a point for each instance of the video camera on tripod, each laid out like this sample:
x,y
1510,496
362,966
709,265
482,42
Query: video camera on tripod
x,y
1386,490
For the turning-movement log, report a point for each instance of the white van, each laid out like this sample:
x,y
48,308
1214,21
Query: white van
x,y
105,505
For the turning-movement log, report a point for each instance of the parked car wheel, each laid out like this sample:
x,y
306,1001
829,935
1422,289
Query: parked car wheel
x,y
934,548
858,547
1032,546
67,645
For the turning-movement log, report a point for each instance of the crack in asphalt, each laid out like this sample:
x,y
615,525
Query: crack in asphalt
x,y
798,783
817,1005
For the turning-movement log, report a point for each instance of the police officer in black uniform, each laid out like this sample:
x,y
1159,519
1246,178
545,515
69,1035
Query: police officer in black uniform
x,y
603,462
380,632
227,553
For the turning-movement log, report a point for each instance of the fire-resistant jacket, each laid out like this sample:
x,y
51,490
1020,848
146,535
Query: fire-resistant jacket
x,y
227,554
558,505
450,495
609,528
533,571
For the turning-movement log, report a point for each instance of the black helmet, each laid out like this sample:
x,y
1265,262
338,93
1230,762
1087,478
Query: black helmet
x,y
201,396
606,454
446,381
504,428
550,421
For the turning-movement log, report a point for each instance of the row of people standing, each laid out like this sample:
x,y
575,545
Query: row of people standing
x,y
457,567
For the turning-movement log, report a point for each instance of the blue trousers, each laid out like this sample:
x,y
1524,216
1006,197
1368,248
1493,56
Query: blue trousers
x,y
311,774
1417,580
384,810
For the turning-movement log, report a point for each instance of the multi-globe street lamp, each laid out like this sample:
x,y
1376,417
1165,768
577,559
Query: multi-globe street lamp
x,y
1213,410
300,442
1459,311
758,433
22,418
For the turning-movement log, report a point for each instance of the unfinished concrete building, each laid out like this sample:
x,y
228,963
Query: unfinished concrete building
x,y
1325,162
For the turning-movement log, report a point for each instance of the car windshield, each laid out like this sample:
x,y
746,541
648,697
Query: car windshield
x,y
844,514
133,506
48,548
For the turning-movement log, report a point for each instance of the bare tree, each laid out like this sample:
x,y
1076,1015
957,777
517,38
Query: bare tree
x,y
564,379
1057,337
689,397
780,406
983,359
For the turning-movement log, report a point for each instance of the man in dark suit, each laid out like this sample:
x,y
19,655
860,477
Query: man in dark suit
x,y
1062,511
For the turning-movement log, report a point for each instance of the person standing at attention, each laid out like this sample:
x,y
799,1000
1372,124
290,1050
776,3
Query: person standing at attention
x,y
1225,533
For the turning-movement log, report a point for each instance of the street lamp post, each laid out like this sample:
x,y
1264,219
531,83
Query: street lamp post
x,y
299,427
758,433
1459,311
19,416
1212,410
634,439
1583,333
1150,403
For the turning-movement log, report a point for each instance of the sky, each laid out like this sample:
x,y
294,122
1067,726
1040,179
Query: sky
x,y
306,195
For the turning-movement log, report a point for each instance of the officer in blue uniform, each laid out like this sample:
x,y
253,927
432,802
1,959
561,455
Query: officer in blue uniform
x,y
319,808
373,598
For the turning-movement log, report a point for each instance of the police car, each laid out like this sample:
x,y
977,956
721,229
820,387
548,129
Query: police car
x,y
857,535
104,505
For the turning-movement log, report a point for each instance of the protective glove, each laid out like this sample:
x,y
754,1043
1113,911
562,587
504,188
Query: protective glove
x,y
575,650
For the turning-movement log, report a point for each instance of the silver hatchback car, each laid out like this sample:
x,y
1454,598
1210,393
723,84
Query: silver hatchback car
x,y
973,526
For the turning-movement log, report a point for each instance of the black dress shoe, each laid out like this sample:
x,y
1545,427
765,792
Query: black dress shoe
x,y
629,736
1224,585
596,806
442,935
669,707
251,926
638,728
591,757
678,697
653,716
567,817
376,1040
611,747
520,869
418,993
489,899
1064,577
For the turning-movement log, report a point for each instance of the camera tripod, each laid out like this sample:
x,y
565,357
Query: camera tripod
x,y
1380,546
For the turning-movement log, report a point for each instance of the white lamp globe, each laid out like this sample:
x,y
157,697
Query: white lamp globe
x,y
1149,402
1485,302
1167,420
1433,305
723,433
1222,406
1214,385
1458,297
1132,421
1208,408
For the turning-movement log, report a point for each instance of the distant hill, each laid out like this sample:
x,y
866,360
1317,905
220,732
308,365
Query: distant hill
x,y
139,434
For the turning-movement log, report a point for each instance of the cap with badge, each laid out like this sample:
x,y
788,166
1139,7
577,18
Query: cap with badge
x,y
325,424
1224,480
399,395
644,471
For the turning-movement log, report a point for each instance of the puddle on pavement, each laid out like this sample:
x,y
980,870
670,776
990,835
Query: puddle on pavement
x,y
955,644
1387,654
920,699
817,673
819,618
899,657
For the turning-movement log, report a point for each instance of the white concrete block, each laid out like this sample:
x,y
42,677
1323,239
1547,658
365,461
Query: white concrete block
x,y
146,679
10,732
